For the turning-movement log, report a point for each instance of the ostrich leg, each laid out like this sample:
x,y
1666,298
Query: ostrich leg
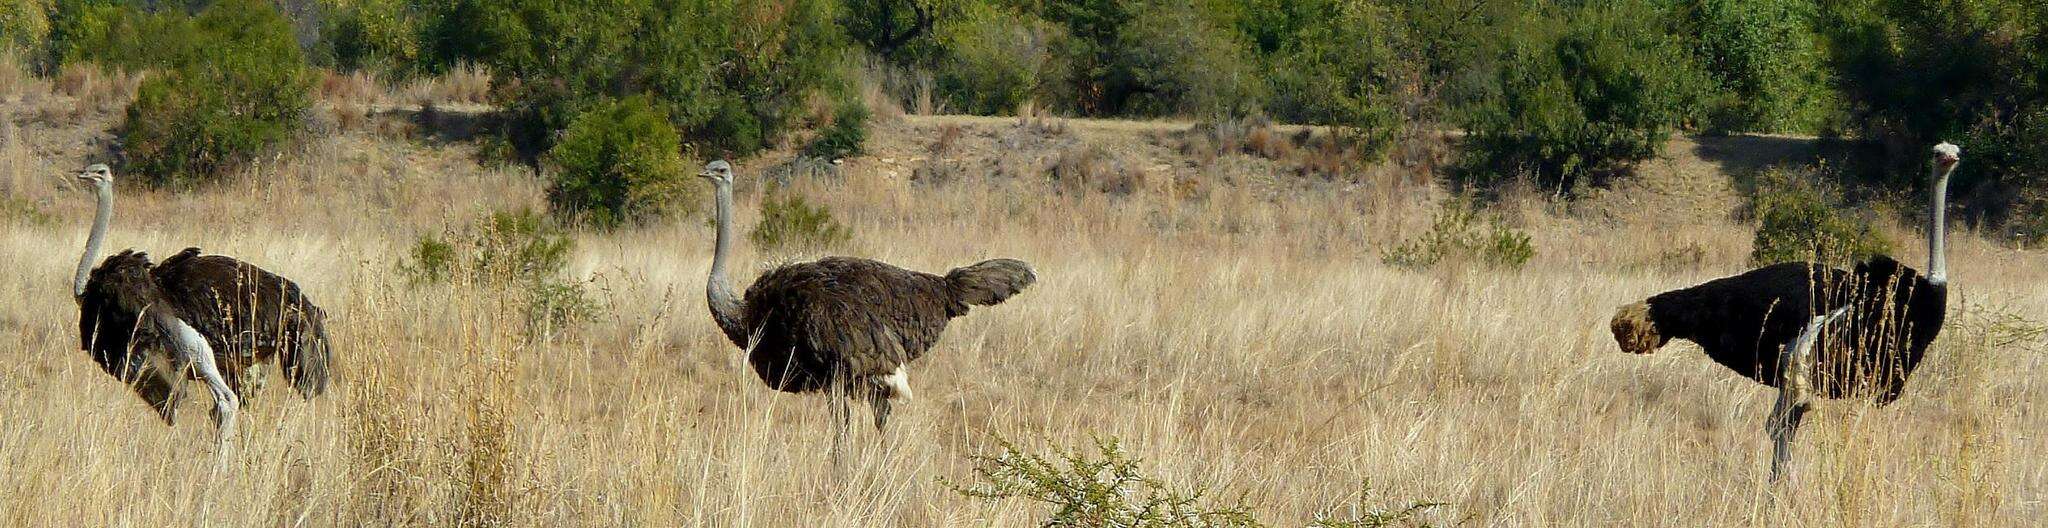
x,y
194,351
1783,426
1795,390
842,421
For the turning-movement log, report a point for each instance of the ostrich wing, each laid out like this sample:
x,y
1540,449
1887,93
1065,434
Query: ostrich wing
x,y
872,315
111,327
248,314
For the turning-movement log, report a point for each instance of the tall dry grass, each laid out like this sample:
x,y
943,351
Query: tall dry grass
x,y
1250,342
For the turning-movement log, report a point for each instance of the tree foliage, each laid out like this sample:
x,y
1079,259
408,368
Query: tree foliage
x,y
231,84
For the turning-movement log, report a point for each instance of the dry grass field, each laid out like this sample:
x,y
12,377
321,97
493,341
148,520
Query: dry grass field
x,y
1230,321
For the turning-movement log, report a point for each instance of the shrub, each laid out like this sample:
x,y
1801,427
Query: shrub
x,y
788,221
1767,61
383,36
234,85
24,24
731,76
846,136
618,162
995,60
1174,61
519,252
1458,233
1340,68
1103,488
1919,73
1580,100
1799,219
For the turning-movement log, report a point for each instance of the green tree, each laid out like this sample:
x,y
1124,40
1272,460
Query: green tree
x,y
1767,60
1581,95
231,84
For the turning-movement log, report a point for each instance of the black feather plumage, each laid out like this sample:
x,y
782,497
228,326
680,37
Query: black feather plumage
x,y
1743,322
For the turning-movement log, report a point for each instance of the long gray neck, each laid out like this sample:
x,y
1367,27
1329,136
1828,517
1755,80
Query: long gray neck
x,y
725,308
1937,227
100,219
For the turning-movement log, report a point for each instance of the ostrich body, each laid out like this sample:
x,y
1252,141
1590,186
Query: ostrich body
x,y
207,316
846,326
1885,314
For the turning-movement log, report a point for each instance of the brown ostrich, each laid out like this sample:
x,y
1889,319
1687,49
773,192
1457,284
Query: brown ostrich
x,y
846,326
208,317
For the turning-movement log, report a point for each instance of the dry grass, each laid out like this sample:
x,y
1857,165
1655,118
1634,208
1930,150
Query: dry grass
x,y
1249,341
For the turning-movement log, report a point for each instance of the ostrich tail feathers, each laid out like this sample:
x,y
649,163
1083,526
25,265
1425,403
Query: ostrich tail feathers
x,y
1634,330
990,281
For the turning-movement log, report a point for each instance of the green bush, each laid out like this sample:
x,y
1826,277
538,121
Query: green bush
x,y
1460,234
1340,68
846,136
117,34
731,76
384,36
1172,60
518,252
1103,488
231,86
24,24
1799,219
995,59
788,221
1578,101
619,162
1768,63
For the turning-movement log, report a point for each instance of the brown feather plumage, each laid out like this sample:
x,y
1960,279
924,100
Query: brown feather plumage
x,y
248,315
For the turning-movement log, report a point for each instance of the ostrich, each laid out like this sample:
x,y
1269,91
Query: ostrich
x,y
212,316
1745,322
846,326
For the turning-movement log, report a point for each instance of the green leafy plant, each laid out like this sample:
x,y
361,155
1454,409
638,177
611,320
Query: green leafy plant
x,y
1460,233
1365,515
619,162
1102,488
518,252
1799,218
1767,60
232,86
730,76
24,24
788,221
846,136
1579,97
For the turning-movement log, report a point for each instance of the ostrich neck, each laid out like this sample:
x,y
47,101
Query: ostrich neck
x,y
100,219
725,308
1937,228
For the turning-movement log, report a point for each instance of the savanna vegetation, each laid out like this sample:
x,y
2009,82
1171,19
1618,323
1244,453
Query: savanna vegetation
x,y
1323,262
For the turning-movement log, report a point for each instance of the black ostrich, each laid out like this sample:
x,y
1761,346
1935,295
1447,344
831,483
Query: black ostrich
x,y
207,316
844,325
1745,322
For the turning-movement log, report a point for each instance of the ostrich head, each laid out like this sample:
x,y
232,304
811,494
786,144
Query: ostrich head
x,y
1635,331
718,171
97,174
1945,157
